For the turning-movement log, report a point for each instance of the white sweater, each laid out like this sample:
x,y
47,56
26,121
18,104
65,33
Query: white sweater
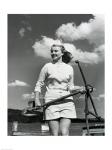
x,y
58,78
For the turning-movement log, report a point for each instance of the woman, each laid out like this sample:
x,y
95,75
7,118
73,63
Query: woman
x,y
58,76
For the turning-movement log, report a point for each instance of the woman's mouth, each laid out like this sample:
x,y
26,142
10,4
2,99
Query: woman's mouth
x,y
54,56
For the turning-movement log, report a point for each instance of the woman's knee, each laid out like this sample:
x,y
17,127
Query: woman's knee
x,y
54,127
65,126
64,131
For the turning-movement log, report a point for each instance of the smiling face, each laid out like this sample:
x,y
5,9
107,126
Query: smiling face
x,y
56,53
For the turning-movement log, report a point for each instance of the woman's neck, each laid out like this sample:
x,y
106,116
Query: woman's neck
x,y
57,61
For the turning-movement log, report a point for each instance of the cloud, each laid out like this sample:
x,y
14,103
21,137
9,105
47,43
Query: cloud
x,y
17,83
42,48
29,28
93,31
28,96
101,97
25,27
22,32
82,56
31,96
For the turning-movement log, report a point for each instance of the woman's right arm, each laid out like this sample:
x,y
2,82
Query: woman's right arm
x,y
39,85
37,98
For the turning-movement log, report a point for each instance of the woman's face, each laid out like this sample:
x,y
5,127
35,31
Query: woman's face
x,y
56,53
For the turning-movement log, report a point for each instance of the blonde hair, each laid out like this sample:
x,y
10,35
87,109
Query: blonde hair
x,y
67,56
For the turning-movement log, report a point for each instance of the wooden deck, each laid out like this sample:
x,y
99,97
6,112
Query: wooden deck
x,y
35,129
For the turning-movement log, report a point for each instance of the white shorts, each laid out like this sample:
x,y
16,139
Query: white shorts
x,y
65,110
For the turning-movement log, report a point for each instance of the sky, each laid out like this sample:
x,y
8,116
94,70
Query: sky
x,y
30,37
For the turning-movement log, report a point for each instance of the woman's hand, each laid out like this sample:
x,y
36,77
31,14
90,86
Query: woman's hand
x,y
82,89
78,88
37,102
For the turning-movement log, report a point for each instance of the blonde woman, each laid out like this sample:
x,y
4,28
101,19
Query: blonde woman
x,y
58,78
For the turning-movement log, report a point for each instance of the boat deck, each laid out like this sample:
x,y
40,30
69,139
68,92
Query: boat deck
x,y
36,129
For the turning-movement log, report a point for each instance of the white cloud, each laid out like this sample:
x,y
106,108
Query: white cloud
x,y
42,48
29,28
96,35
93,31
28,96
17,83
31,96
100,97
85,57
22,32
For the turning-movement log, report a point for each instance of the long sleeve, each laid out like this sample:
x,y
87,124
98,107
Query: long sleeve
x,y
71,81
71,85
41,79
58,79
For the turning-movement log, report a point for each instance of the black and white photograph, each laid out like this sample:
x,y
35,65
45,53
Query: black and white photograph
x,y
56,75
55,80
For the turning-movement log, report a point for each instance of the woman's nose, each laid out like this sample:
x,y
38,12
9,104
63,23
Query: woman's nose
x,y
53,53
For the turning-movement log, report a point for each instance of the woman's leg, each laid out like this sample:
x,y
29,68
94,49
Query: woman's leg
x,y
64,126
54,127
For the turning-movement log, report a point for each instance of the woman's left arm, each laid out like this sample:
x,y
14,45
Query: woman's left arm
x,y
73,87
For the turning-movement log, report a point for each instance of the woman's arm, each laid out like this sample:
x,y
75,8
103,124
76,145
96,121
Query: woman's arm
x,y
73,87
39,85
37,98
